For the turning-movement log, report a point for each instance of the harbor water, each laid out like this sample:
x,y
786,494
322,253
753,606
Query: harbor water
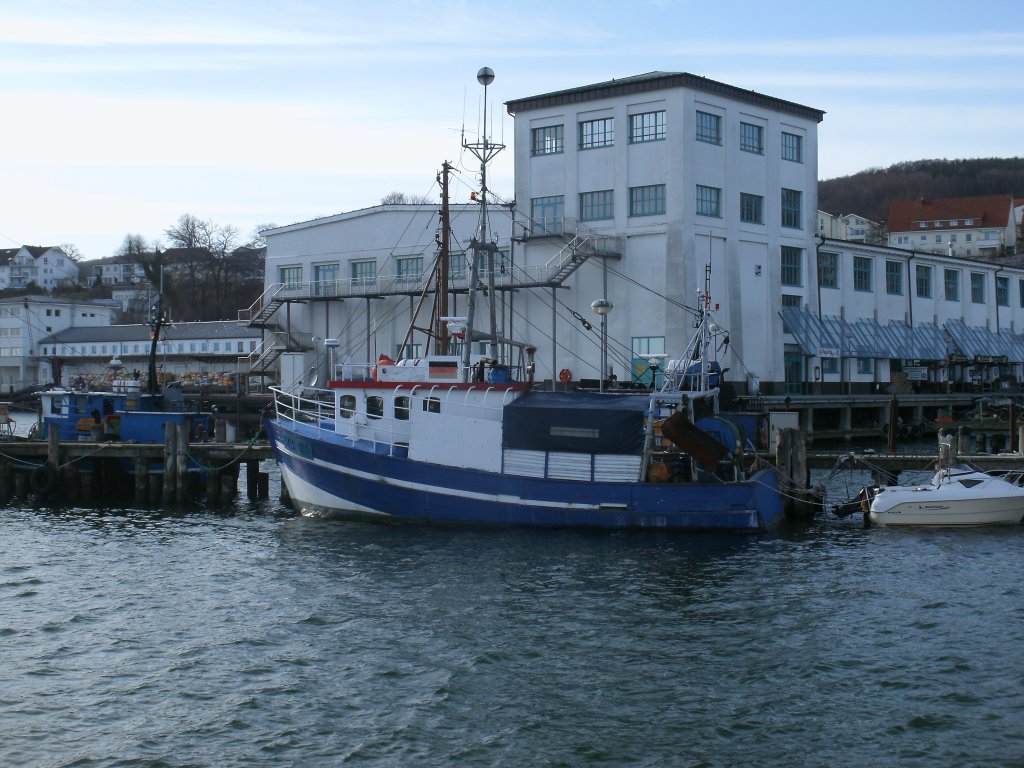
x,y
247,635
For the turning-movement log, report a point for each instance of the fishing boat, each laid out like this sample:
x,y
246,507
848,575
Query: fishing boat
x,y
955,496
468,438
126,410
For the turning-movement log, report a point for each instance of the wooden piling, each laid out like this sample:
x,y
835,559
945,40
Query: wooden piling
x,y
6,481
53,446
141,479
263,485
170,475
21,484
181,464
894,421
252,471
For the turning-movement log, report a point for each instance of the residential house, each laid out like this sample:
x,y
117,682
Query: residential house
x,y
47,267
984,227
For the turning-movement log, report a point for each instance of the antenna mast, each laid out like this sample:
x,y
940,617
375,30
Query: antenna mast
x,y
483,151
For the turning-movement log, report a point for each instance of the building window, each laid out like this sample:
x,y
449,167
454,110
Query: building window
x,y
791,300
364,272
547,141
547,214
1002,291
597,206
894,278
597,133
709,128
647,201
291,277
792,260
977,287
864,365
709,201
646,126
647,345
409,269
950,280
751,208
792,147
924,281
1020,291
828,270
752,138
791,208
830,365
862,274
325,279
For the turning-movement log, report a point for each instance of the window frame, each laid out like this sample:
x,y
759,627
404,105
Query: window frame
x,y
792,208
752,138
708,201
640,131
893,277
598,205
751,208
650,196
791,261
547,140
590,139
863,274
709,127
792,147
828,273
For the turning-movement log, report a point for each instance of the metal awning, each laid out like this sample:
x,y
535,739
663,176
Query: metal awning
x,y
975,342
830,336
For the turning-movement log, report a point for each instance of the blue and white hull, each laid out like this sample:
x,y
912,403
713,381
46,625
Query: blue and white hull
x,y
326,473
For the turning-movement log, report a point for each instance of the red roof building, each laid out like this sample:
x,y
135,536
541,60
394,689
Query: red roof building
x,y
958,226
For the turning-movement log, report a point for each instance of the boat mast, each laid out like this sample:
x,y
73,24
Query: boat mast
x,y
483,151
441,294
157,320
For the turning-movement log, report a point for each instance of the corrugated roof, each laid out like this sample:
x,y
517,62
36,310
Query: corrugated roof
x,y
653,81
989,211
218,329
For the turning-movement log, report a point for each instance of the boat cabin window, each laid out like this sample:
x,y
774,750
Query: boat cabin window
x,y
402,408
347,406
432,404
375,407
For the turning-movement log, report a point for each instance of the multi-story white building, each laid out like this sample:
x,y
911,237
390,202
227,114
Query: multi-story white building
x,y
45,266
686,173
983,227
25,320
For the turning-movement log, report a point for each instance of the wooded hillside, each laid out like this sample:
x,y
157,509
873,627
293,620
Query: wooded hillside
x,y
869,193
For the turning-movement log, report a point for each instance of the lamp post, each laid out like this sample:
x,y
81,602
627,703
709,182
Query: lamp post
x,y
602,307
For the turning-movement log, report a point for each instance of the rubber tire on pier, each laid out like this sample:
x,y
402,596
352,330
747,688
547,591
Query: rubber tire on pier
x,y
43,480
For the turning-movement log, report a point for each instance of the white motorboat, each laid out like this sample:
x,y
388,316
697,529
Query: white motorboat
x,y
955,496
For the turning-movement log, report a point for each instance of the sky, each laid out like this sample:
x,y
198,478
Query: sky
x,y
120,117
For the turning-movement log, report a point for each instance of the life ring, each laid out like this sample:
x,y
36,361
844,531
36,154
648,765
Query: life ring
x,y
43,479
565,375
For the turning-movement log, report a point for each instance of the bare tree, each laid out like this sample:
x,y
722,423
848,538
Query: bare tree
x,y
401,198
71,251
256,239
133,247
190,232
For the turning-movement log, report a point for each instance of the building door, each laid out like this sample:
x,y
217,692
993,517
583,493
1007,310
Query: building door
x,y
794,368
